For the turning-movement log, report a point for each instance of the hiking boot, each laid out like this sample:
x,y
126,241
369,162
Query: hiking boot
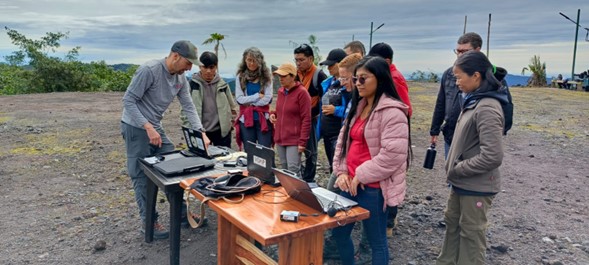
x,y
159,232
391,225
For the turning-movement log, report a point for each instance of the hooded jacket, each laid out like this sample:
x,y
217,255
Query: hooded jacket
x,y
224,99
293,116
477,147
449,101
387,136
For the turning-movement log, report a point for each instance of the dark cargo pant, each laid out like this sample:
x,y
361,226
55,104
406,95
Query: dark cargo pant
x,y
137,145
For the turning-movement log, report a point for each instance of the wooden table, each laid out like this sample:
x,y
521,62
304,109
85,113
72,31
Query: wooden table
x,y
169,185
257,218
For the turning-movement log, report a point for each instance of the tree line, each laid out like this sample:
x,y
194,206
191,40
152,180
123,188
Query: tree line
x,y
34,68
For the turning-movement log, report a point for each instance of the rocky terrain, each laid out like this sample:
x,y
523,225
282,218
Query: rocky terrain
x,y
66,198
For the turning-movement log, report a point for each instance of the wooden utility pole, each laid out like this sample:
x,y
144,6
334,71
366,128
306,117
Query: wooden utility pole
x,y
488,34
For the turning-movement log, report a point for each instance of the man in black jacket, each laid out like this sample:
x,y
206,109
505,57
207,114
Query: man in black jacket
x,y
450,98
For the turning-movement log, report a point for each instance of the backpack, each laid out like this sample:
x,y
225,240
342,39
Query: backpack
x,y
507,107
220,188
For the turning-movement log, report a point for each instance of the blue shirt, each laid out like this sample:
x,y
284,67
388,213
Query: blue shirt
x,y
252,89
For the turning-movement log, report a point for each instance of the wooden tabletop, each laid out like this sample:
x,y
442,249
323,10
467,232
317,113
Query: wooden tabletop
x,y
258,215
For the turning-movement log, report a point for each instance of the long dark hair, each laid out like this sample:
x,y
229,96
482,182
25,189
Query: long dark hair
x,y
263,72
385,85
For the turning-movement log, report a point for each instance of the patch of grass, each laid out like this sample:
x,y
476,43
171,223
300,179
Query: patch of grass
x,y
116,156
5,119
66,143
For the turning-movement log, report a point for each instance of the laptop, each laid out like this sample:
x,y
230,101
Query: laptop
x,y
260,160
183,165
317,198
196,145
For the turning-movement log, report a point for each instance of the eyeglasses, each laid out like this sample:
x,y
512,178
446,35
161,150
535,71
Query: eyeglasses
x,y
461,51
344,79
360,79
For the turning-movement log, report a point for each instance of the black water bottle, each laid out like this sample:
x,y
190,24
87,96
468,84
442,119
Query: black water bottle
x,y
430,157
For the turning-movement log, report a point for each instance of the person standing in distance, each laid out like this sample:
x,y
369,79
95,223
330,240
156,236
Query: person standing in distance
x,y
447,107
472,166
154,86
311,77
213,100
355,46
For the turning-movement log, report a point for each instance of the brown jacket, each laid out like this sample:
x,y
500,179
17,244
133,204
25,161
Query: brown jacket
x,y
477,148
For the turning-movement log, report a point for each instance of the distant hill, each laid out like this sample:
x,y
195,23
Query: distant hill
x,y
123,67
520,80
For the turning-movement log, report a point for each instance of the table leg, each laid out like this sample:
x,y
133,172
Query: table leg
x,y
226,245
307,249
175,217
150,210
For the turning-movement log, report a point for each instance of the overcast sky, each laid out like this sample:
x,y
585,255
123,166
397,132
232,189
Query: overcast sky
x,y
422,33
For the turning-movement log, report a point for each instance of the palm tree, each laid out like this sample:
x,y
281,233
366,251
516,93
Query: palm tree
x,y
313,42
216,38
538,70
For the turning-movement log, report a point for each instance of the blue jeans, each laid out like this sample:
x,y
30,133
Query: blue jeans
x,y
137,145
330,143
446,150
255,135
375,226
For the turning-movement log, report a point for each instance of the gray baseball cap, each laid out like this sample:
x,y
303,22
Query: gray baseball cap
x,y
187,50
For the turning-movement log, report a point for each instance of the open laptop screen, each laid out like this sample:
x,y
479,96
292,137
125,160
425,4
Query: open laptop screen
x,y
260,160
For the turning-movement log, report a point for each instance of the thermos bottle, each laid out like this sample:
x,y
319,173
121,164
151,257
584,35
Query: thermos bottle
x,y
430,157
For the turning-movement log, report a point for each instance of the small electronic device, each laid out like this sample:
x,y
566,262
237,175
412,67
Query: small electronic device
x,y
234,171
289,216
230,163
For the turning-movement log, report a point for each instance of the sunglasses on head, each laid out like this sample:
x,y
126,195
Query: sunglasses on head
x,y
359,79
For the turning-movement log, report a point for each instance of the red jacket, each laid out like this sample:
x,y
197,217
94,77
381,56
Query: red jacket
x,y
293,116
401,86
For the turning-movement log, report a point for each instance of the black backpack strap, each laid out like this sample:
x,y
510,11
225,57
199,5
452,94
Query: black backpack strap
x,y
316,77
193,86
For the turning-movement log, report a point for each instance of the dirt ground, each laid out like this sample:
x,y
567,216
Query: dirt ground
x,y
64,186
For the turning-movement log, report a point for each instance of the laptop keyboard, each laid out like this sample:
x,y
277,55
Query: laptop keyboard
x,y
217,151
325,197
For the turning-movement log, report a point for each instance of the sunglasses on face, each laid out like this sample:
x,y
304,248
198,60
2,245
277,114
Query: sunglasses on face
x,y
359,79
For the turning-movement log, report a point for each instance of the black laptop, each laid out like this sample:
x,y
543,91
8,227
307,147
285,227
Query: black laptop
x,y
178,164
260,160
317,198
197,147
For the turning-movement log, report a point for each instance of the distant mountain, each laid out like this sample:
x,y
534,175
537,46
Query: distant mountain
x,y
521,80
123,67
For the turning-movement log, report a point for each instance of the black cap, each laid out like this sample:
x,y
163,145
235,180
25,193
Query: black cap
x,y
382,50
208,59
187,50
334,56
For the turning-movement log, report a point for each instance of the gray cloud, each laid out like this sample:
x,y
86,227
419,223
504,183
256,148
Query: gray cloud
x,y
149,27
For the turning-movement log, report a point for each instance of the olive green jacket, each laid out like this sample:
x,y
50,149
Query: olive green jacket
x,y
477,148
226,104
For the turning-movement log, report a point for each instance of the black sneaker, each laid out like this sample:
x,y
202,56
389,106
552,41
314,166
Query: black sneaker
x,y
159,232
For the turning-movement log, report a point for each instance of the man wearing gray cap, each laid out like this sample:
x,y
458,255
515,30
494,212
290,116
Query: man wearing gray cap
x,y
154,86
